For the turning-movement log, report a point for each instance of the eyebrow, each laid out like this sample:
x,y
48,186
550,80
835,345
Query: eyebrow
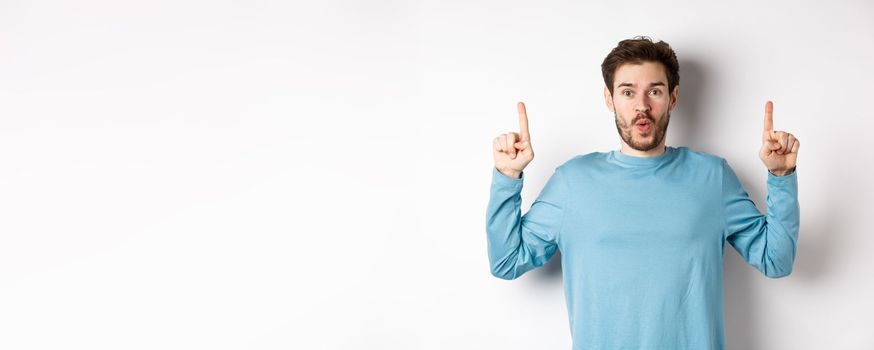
x,y
655,83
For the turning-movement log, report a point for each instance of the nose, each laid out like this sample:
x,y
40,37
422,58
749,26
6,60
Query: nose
x,y
641,105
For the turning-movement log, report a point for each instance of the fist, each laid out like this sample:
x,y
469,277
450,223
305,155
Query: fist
x,y
513,150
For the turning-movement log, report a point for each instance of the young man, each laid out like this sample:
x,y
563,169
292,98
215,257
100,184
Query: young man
x,y
642,230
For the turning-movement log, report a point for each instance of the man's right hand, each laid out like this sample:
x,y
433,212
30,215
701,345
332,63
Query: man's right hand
x,y
512,150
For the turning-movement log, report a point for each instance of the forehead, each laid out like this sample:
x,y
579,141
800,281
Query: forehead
x,y
640,73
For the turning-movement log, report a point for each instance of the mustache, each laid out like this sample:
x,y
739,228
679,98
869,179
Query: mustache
x,y
640,117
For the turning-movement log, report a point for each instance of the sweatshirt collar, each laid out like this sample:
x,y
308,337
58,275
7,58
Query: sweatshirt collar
x,y
634,160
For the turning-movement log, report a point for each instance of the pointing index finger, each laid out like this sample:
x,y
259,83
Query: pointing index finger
x,y
523,121
769,119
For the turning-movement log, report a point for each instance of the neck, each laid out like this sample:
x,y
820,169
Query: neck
x,y
657,151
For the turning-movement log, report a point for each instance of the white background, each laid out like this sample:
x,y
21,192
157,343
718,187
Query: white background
x,y
314,175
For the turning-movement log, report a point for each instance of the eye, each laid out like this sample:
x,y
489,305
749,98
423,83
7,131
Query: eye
x,y
626,92
655,92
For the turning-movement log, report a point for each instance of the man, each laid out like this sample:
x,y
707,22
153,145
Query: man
x,y
642,230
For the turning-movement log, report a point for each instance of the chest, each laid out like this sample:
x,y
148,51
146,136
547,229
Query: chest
x,y
640,214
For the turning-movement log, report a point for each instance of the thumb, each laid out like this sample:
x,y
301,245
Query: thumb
x,y
772,145
775,145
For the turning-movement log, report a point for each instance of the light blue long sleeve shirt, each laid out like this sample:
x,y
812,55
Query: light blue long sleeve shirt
x,y
642,242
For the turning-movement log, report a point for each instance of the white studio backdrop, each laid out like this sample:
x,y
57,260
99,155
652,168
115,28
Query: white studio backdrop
x,y
314,175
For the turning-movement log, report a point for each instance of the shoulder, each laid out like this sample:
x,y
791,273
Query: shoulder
x,y
699,157
582,161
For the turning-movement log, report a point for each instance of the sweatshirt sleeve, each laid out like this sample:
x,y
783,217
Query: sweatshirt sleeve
x,y
518,243
767,242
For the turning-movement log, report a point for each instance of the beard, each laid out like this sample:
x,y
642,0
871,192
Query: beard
x,y
648,140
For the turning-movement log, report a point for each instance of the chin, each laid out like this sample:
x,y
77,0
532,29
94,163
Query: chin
x,y
644,145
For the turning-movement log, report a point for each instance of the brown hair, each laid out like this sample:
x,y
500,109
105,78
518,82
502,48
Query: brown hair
x,y
638,50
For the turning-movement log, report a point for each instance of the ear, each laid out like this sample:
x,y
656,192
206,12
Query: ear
x,y
675,96
608,99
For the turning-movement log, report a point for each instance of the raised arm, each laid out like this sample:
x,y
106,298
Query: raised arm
x,y
518,243
767,242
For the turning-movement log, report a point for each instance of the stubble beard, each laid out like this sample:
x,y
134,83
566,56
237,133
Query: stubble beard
x,y
659,129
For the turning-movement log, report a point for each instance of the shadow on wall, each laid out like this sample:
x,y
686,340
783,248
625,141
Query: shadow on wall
x,y
742,328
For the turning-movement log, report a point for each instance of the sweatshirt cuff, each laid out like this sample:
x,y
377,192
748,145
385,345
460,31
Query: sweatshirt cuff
x,y
504,180
786,180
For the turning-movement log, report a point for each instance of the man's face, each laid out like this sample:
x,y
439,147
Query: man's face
x,y
641,104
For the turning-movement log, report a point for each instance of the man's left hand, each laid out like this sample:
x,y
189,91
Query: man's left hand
x,y
779,148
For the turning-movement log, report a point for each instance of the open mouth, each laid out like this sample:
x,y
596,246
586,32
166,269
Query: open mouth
x,y
643,125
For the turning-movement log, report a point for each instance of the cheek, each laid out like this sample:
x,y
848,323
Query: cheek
x,y
622,106
662,103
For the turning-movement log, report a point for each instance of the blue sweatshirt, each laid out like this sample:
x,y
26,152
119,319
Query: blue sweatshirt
x,y
642,241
